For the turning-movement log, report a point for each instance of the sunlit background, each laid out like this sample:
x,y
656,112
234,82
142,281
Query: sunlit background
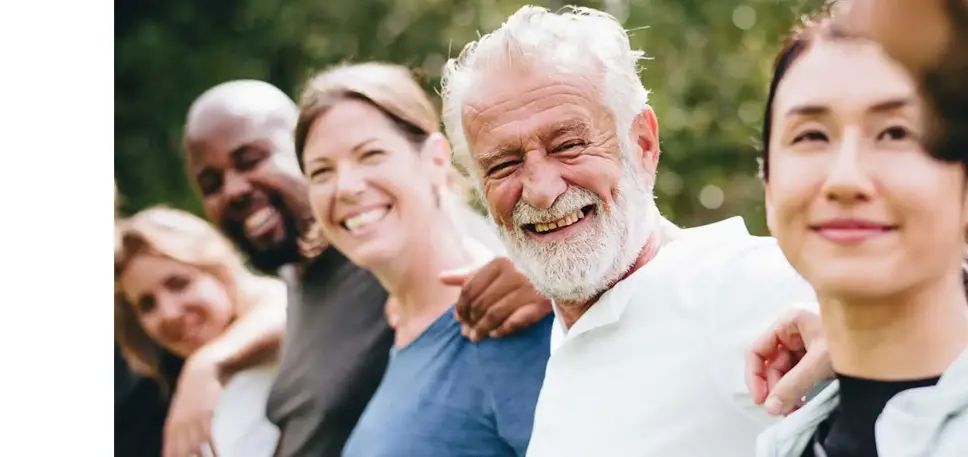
x,y
708,75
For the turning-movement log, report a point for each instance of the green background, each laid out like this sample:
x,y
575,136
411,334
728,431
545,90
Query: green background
x,y
708,74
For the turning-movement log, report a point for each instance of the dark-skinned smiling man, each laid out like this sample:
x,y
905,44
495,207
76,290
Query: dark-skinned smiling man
x,y
240,153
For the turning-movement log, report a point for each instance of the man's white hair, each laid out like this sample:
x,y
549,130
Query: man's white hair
x,y
575,41
586,43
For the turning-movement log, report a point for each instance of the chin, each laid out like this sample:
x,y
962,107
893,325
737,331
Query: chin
x,y
854,280
372,255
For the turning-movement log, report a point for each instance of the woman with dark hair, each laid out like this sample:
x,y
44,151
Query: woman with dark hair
x,y
877,226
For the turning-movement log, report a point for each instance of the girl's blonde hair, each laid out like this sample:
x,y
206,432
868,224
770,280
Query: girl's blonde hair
x,y
182,237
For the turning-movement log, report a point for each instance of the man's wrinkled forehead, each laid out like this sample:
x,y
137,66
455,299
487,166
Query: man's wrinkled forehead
x,y
520,96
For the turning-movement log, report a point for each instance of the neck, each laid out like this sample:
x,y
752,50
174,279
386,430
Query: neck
x,y
912,335
413,279
572,311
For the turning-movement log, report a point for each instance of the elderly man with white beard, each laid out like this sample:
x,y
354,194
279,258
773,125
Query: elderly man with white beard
x,y
549,116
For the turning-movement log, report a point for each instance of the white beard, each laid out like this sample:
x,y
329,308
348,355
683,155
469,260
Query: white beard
x,y
592,260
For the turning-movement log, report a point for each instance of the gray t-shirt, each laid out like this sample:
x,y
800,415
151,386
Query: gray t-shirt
x,y
334,354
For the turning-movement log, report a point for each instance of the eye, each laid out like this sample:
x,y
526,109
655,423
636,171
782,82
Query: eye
x,y
809,136
895,133
569,145
209,182
320,174
496,170
177,283
372,154
249,158
145,305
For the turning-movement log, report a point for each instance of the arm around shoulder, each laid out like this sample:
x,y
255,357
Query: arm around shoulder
x,y
255,335
756,286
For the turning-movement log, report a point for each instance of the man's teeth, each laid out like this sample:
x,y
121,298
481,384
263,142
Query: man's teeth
x,y
258,218
560,223
363,219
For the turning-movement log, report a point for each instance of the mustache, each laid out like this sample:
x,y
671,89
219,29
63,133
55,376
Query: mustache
x,y
573,199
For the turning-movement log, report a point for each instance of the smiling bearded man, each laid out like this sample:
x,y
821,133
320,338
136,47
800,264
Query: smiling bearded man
x,y
652,322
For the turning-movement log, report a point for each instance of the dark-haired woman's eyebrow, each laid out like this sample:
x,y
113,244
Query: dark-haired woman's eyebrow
x,y
808,110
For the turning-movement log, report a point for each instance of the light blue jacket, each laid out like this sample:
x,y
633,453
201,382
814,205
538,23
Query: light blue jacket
x,y
923,422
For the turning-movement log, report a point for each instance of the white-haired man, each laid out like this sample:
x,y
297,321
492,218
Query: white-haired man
x,y
550,117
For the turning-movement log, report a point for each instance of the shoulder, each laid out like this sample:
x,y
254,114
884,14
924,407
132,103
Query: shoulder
x,y
512,371
741,267
929,420
721,265
953,439
726,247
719,248
526,349
264,293
538,334
333,277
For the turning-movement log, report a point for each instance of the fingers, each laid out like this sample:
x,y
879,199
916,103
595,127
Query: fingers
x,y
521,318
492,319
470,306
764,349
788,333
756,378
778,367
788,391
195,439
458,276
496,302
206,434
521,304
186,439
774,353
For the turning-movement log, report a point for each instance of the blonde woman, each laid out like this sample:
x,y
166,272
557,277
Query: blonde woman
x,y
379,177
179,285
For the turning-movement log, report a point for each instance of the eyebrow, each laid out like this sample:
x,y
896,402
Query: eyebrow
x,y
545,134
880,107
488,158
354,149
568,126
362,144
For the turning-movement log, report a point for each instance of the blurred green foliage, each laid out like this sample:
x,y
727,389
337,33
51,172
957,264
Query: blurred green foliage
x,y
708,74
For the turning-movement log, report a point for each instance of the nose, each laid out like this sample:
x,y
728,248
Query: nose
x,y
542,184
848,180
170,312
238,190
350,183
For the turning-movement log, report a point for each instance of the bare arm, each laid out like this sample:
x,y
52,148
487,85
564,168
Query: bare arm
x,y
255,336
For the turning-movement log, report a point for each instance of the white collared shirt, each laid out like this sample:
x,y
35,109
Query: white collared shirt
x,y
655,368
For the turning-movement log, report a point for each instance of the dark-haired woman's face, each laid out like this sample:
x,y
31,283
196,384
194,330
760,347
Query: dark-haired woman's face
x,y
857,206
371,190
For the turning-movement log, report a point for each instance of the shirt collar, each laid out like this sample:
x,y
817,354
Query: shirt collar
x,y
605,311
609,308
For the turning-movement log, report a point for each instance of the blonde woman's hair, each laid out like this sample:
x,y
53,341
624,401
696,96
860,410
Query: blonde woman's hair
x,y
391,89
183,237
